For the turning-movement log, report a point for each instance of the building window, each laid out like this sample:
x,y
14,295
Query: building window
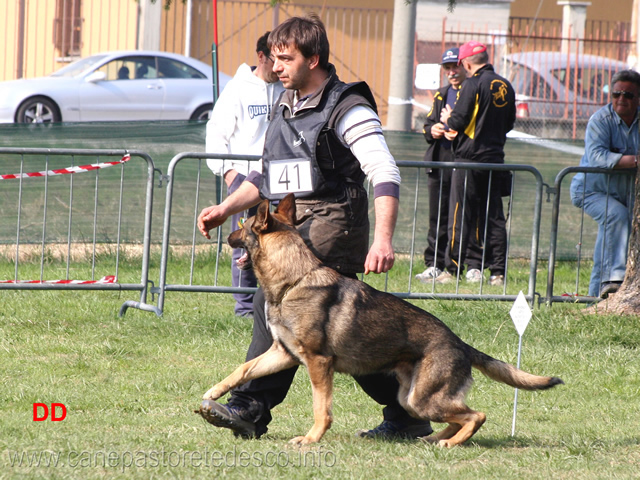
x,y
67,28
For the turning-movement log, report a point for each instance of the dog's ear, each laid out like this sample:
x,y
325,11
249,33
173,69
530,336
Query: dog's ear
x,y
287,209
263,217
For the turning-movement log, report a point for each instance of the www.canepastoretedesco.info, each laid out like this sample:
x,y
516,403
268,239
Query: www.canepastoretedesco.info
x,y
163,458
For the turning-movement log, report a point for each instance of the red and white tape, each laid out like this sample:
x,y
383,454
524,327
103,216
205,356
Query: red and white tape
x,y
107,279
63,171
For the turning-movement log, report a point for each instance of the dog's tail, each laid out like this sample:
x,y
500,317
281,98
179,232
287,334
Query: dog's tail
x,y
506,373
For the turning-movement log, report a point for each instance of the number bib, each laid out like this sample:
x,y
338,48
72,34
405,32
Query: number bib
x,y
290,176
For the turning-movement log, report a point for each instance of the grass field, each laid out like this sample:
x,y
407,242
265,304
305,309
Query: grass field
x,y
130,386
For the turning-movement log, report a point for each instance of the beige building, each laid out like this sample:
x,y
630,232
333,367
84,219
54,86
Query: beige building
x,y
40,36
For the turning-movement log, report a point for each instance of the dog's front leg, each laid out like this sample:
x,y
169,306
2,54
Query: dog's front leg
x,y
273,360
321,375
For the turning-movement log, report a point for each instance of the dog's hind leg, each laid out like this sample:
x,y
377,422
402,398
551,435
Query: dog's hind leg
x,y
461,428
437,393
446,433
404,372
321,374
273,360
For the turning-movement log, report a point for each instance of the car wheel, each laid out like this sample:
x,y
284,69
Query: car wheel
x,y
202,113
38,110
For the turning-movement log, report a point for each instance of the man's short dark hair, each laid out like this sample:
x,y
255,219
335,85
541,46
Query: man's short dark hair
x,y
307,34
481,58
626,76
262,45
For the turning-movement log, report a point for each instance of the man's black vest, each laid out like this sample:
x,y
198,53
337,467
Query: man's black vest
x,y
310,136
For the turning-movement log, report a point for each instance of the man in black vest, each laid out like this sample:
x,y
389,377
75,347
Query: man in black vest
x,y
324,138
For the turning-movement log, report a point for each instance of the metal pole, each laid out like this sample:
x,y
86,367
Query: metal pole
x,y
20,46
187,29
402,58
515,400
214,52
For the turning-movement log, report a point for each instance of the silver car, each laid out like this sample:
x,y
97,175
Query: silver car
x,y
112,86
559,85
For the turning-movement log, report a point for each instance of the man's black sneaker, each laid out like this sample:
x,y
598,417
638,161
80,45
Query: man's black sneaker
x,y
389,430
228,416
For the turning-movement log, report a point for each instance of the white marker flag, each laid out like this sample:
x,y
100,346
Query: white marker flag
x,y
520,313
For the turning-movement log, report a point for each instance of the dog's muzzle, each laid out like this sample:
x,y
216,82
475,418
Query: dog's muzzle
x,y
244,262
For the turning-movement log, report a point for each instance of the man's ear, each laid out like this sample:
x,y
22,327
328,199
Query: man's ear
x,y
286,209
314,61
263,217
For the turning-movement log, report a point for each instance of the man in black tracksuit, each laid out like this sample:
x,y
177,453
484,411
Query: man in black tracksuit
x,y
483,115
439,138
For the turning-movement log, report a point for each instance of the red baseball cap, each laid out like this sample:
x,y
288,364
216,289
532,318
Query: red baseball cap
x,y
470,48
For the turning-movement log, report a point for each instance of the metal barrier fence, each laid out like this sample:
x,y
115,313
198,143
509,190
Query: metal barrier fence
x,y
406,232
46,196
50,222
533,224
573,297
196,238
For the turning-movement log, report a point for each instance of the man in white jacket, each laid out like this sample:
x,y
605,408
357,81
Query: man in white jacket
x,y
237,126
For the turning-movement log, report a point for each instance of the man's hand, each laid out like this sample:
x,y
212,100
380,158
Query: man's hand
x,y
380,258
445,114
246,196
210,218
437,130
450,135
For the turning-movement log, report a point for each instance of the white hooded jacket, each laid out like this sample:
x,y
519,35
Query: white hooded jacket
x,y
239,120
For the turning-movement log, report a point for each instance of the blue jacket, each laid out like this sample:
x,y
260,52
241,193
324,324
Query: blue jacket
x,y
606,140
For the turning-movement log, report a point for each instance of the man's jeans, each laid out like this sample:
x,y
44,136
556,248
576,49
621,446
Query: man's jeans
x,y
241,278
612,241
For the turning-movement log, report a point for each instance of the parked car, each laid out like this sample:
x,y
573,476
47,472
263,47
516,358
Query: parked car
x,y
124,85
555,85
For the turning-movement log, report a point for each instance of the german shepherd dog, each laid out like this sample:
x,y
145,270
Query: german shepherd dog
x,y
331,323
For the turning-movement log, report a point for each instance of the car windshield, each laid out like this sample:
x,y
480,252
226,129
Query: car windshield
x,y
78,66
592,83
169,68
527,82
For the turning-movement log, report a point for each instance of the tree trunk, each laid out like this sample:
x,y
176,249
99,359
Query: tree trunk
x,y
626,301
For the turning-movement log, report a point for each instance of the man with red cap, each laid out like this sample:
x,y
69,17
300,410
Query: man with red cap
x,y
483,115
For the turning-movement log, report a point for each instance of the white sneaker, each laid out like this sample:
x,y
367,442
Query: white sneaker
x,y
474,275
445,277
496,280
429,274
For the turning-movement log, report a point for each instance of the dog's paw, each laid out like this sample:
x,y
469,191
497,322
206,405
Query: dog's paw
x,y
213,393
431,440
302,440
446,443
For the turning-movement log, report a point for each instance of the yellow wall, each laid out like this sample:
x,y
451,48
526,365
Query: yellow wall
x,y
613,10
359,34
108,25
8,65
112,25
